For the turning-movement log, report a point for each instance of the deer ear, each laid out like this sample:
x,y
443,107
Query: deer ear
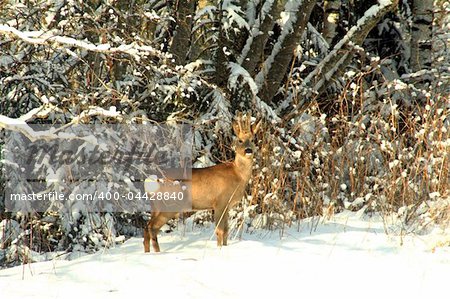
x,y
256,126
236,129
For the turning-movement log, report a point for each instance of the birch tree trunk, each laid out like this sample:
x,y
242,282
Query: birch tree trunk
x,y
421,35
330,19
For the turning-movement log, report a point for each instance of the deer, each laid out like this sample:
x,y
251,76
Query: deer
x,y
218,188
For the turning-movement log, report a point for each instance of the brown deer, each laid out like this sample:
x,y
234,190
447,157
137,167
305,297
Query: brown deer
x,y
217,188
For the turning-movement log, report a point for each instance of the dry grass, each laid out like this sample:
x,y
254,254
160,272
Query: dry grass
x,y
373,153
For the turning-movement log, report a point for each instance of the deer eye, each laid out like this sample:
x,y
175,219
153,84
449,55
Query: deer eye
x,y
240,141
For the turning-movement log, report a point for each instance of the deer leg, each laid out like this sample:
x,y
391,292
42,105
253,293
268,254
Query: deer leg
x,y
221,220
146,238
225,230
154,225
219,235
154,238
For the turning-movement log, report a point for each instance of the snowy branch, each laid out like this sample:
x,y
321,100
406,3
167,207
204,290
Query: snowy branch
x,y
47,38
20,124
341,54
39,112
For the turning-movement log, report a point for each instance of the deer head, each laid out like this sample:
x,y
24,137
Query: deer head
x,y
244,131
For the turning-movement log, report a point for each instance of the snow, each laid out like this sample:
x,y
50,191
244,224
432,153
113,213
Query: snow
x,y
385,2
255,29
19,125
237,71
233,15
349,256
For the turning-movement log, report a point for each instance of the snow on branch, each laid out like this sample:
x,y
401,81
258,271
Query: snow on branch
x,y
20,125
39,112
258,30
47,38
233,15
341,54
268,112
237,71
274,67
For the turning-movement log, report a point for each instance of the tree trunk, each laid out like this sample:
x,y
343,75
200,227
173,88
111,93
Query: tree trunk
x,y
330,19
185,10
421,35
221,60
270,77
253,52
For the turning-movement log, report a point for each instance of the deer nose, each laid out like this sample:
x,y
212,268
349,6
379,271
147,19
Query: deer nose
x,y
248,151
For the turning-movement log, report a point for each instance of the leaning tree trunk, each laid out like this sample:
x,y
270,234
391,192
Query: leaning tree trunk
x,y
253,52
421,35
270,78
330,19
332,66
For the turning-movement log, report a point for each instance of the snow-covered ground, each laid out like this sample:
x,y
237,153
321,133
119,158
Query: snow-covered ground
x,y
348,256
